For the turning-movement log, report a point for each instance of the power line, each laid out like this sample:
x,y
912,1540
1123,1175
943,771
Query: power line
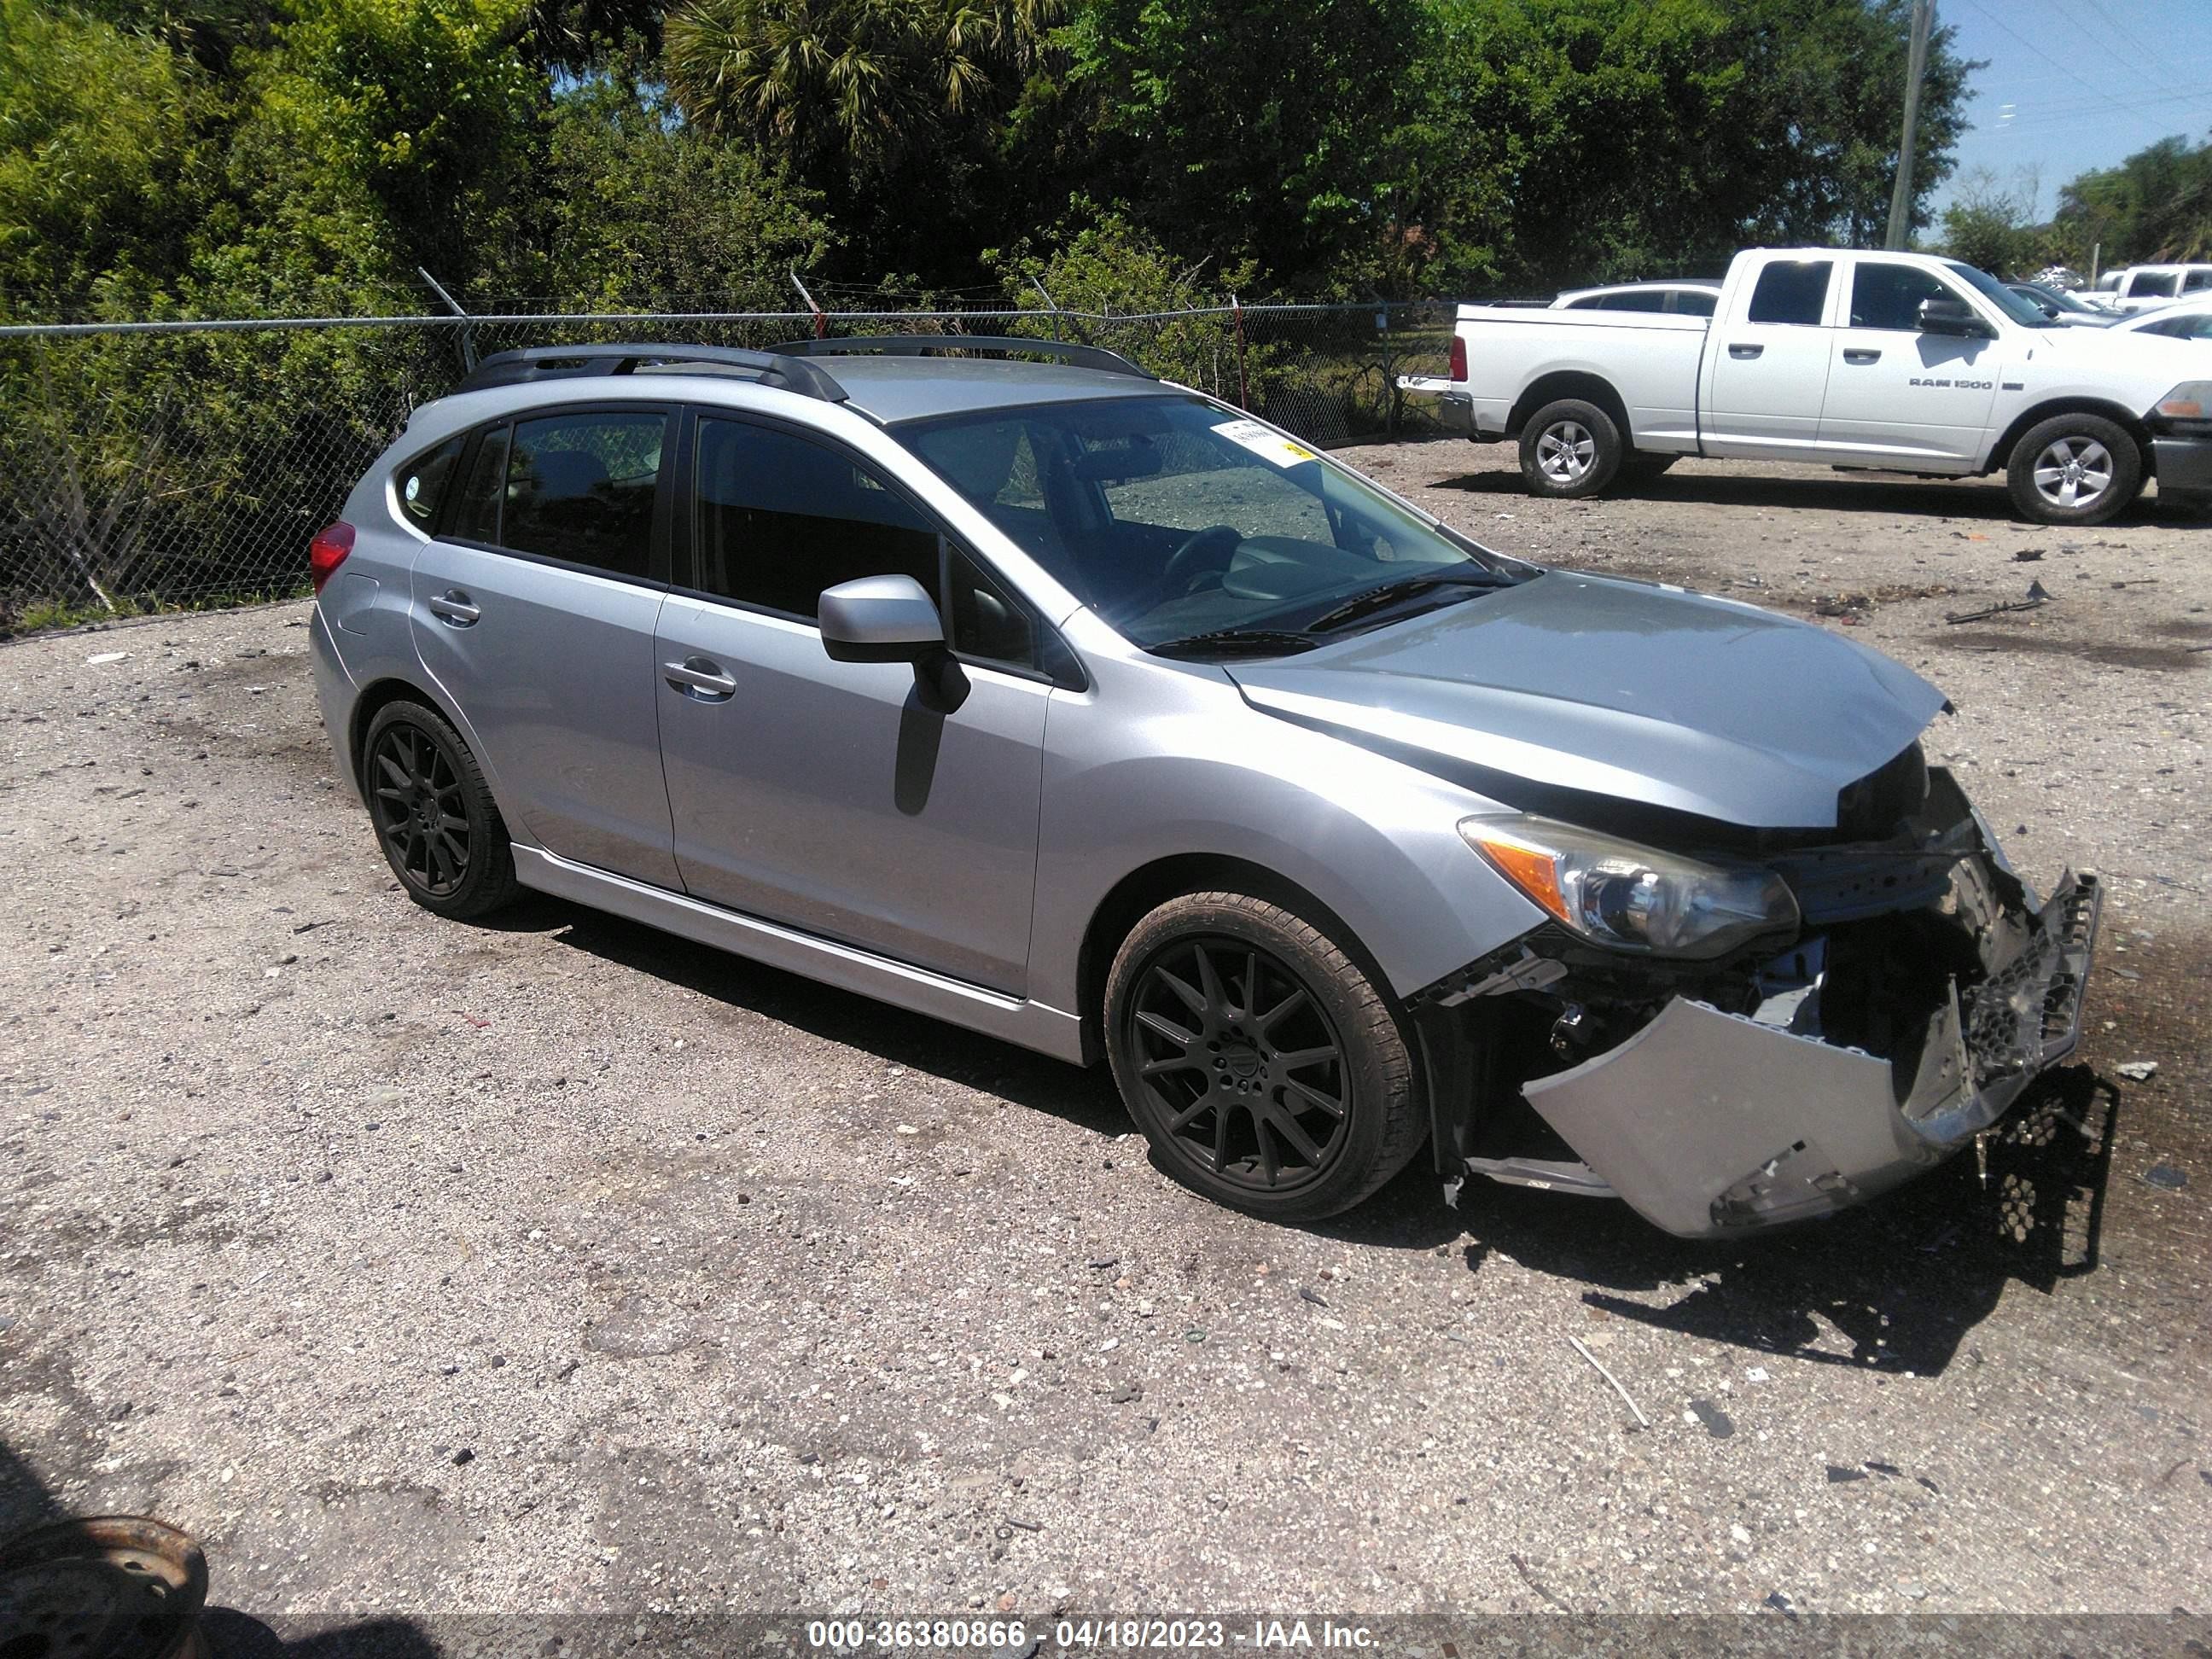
x,y
2068,70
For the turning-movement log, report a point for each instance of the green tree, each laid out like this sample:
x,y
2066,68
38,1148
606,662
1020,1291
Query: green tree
x,y
2156,205
97,161
641,208
1252,129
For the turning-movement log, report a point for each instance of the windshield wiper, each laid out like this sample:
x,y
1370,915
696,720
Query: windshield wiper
x,y
1381,598
1256,641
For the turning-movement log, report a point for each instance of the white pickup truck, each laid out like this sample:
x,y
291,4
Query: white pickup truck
x,y
1895,362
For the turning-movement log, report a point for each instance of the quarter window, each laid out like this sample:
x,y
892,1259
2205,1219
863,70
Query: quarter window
x,y
1792,291
781,518
422,483
988,622
581,488
1888,296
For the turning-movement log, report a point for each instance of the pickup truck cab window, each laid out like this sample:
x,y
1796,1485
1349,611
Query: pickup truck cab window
x,y
1792,291
1888,296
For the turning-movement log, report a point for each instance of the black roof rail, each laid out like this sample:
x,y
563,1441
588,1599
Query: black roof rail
x,y
995,345
771,368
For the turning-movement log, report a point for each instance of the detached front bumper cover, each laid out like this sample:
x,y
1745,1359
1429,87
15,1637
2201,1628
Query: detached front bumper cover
x,y
1708,1123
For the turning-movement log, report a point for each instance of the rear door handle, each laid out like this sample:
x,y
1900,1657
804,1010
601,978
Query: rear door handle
x,y
1861,355
700,677
1746,351
454,609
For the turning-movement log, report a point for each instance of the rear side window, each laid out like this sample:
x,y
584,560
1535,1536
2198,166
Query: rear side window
x,y
1693,302
421,484
2197,281
580,487
1792,291
2152,284
1642,300
782,518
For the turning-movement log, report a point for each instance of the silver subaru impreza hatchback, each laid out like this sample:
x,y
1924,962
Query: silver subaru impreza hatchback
x,y
1021,689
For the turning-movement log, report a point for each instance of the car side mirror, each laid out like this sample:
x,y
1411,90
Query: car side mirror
x,y
1948,316
881,619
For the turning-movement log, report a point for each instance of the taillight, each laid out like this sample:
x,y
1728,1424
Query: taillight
x,y
328,551
1459,358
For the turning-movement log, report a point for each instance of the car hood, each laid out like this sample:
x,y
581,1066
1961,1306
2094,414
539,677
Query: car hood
x,y
1639,692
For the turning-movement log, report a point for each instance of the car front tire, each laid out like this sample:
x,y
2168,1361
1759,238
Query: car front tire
x,y
436,819
1570,449
2074,469
1267,1070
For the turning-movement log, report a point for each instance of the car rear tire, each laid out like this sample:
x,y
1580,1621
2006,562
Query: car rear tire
x,y
2074,469
436,819
1570,449
1266,1067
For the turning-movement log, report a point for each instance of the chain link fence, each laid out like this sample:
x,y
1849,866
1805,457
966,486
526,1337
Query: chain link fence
x,y
152,465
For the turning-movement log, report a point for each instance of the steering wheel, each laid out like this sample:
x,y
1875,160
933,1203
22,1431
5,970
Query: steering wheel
x,y
1204,552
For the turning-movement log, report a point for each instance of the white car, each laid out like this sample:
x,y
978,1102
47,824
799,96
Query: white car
x,y
2185,320
1681,298
1889,361
2139,288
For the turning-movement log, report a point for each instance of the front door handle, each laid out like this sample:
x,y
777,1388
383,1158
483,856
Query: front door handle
x,y
700,677
1861,355
1747,352
454,609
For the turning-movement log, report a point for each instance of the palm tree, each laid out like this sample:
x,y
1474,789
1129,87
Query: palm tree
x,y
862,78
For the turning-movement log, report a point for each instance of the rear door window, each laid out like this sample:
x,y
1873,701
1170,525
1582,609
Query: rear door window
x,y
1693,302
1792,291
781,517
1648,298
2152,284
580,486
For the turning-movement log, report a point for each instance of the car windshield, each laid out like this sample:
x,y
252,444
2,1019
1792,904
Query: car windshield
x,y
2021,310
1185,524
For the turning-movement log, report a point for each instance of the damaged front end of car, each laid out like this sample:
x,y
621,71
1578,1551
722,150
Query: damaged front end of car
x,y
1758,1038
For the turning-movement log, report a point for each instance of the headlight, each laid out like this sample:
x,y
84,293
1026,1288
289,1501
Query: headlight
x,y
2187,402
1628,897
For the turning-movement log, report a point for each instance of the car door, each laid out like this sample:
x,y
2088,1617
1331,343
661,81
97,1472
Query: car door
x,y
534,610
1767,363
1895,393
852,800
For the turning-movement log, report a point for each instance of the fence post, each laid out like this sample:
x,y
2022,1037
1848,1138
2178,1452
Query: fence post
x,y
820,317
1237,318
1389,373
1049,306
468,334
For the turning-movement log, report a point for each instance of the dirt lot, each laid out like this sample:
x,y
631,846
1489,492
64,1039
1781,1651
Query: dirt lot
x,y
420,1267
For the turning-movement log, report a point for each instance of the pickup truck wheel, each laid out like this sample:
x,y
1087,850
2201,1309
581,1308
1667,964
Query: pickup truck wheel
x,y
1570,448
2074,469
1264,1065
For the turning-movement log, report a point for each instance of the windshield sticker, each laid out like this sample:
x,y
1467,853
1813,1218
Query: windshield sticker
x,y
1266,444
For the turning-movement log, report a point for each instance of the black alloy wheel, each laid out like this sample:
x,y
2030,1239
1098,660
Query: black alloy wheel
x,y
436,819
420,813
1243,1062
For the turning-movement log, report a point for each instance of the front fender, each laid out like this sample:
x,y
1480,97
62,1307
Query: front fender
x,y
1203,773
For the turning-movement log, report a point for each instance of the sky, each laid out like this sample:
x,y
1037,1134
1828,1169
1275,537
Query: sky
x,y
2073,85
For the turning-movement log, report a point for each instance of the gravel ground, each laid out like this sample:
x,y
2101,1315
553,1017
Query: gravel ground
x,y
556,1264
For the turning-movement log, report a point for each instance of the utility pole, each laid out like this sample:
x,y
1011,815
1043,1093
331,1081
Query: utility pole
x,y
1900,197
